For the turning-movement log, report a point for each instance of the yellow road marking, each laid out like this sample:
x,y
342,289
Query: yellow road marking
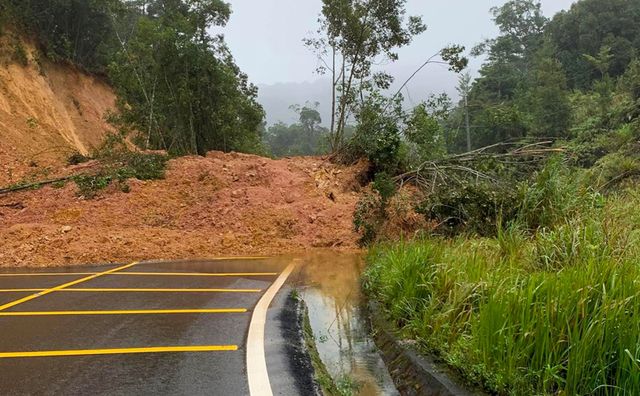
x,y
145,274
118,351
132,290
127,290
48,274
62,287
198,273
126,312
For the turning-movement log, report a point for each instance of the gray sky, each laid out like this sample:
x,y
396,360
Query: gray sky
x,y
265,35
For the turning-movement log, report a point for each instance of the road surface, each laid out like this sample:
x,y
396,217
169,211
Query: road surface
x,y
175,328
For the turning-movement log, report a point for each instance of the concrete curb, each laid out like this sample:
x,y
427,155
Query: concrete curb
x,y
412,373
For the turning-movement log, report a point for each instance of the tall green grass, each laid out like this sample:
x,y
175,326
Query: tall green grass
x,y
555,311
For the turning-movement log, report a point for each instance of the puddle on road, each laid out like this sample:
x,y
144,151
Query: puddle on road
x,y
332,294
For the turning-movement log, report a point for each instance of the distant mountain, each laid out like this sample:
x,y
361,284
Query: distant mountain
x,y
277,98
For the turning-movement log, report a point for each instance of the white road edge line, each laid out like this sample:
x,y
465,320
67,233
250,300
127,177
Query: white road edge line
x,y
259,384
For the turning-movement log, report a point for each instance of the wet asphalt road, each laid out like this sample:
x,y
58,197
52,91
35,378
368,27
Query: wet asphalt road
x,y
176,373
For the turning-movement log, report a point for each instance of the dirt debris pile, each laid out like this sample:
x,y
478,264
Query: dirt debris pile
x,y
221,204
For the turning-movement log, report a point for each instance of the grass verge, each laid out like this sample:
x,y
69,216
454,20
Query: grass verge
x,y
556,311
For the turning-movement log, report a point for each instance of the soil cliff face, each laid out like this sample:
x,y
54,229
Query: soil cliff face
x,y
47,112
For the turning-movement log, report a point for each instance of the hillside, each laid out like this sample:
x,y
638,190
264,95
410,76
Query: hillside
x,y
47,112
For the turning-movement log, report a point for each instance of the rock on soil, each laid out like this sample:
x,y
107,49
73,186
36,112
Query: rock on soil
x,y
218,205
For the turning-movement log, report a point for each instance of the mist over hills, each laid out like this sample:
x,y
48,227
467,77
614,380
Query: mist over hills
x,y
277,98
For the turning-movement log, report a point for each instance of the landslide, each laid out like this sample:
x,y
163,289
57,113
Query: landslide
x,y
47,112
218,205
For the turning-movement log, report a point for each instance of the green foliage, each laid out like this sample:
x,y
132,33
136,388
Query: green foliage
x,y
552,314
590,27
425,131
368,217
475,207
118,164
20,54
377,134
384,185
356,34
180,87
304,138
79,31
554,196
547,97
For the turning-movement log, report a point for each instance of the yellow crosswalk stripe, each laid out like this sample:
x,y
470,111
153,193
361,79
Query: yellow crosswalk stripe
x,y
118,351
63,286
126,312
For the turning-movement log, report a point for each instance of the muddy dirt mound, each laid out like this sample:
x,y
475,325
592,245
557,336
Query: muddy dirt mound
x,y
47,112
222,204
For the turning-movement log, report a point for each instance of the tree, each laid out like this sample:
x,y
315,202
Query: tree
x,y
79,31
352,34
180,87
496,99
426,132
306,137
589,26
521,25
464,88
547,97
309,116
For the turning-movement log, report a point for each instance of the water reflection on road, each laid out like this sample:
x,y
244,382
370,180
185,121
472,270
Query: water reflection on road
x,y
331,289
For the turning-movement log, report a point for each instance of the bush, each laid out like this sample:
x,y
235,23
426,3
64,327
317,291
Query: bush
x,y
474,207
369,217
377,134
384,185
118,165
19,53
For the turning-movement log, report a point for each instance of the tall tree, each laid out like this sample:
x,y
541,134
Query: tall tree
x,y
547,98
589,26
179,86
352,34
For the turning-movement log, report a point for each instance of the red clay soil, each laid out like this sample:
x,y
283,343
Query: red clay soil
x,y
219,205
47,112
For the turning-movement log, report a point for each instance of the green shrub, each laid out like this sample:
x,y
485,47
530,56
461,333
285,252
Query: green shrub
x,y
384,185
377,134
77,158
470,206
369,217
120,164
20,54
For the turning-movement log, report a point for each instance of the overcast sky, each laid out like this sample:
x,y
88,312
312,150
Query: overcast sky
x,y
265,35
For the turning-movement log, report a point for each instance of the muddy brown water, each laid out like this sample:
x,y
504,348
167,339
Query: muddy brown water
x,y
329,283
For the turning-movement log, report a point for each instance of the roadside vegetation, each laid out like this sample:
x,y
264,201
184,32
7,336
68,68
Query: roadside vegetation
x,y
548,311
509,249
